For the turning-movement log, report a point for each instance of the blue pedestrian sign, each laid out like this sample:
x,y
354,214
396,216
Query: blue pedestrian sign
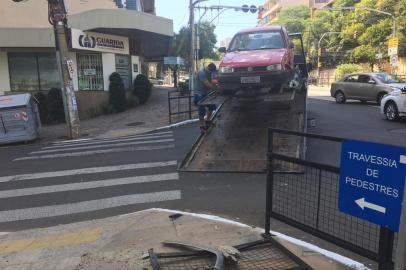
x,y
372,178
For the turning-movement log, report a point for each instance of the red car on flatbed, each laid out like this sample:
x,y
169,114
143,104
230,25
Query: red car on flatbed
x,y
259,59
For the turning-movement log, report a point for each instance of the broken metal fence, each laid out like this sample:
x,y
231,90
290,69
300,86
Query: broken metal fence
x,y
266,254
181,107
304,194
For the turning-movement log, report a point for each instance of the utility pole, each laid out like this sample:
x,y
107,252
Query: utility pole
x,y
192,69
57,18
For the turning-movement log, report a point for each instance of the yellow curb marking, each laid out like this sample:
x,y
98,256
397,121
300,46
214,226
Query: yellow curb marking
x,y
60,240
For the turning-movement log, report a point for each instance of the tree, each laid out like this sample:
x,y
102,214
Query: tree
x,y
294,19
364,53
208,40
400,13
117,95
180,45
363,33
142,88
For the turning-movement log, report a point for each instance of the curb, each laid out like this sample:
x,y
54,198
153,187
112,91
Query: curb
x,y
183,123
329,254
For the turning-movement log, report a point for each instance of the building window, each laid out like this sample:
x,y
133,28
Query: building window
x,y
90,71
33,71
134,5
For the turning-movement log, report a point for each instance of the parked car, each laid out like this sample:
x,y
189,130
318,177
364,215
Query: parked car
x,y
393,105
183,78
365,87
257,58
157,81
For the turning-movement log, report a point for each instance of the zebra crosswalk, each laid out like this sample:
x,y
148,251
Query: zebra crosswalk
x,y
115,183
157,141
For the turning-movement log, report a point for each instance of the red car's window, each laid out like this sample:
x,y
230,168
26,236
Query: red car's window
x,y
257,41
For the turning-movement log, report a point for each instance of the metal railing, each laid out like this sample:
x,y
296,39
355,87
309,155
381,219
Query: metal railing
x,y
304,194
180,106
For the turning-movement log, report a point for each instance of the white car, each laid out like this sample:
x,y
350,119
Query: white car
x,y
393,105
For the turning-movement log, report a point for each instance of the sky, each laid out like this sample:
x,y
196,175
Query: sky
x,y
227,24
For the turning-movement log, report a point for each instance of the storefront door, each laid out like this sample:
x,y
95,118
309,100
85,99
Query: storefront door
x,y
124,69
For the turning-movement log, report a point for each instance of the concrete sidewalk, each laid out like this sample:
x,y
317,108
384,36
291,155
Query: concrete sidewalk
x,y
144,118
140,119
120,242
319,91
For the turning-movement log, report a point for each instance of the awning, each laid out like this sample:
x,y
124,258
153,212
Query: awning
x,y
149,35
27,38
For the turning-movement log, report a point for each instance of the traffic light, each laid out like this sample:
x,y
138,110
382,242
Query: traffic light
x,y
355,34
253,9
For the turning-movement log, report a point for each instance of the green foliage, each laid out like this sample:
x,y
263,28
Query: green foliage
x,y
56,113
346,69
360,30
294,19
142,88
117,95
180,45
42,106
364,54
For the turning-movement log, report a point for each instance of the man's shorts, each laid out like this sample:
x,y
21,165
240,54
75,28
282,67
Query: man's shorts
x,y
202,108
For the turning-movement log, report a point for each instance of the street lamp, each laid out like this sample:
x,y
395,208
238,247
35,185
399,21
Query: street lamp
x,y
319,49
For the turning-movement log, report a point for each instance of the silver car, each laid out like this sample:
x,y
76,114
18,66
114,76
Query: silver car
x,y
365,87
156,81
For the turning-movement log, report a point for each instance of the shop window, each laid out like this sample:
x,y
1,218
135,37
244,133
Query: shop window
x,y
48,72
90,71
33,71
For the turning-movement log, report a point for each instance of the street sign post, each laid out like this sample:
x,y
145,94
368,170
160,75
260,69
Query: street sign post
x,y
393,45
372,179
393,42
394,60
172,60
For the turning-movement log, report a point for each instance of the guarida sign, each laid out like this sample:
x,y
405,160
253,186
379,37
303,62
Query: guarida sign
x,y
99,42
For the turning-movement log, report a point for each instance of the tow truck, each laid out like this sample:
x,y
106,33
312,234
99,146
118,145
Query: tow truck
x,y
262,83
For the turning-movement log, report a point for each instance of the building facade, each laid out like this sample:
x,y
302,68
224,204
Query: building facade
x,y
271,8
104,37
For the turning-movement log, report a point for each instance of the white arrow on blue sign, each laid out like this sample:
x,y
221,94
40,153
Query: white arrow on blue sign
x,y
372,177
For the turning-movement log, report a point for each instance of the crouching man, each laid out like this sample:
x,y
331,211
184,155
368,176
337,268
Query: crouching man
x,y
203,86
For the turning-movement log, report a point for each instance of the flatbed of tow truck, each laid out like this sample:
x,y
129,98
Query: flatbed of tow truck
x,y
237,141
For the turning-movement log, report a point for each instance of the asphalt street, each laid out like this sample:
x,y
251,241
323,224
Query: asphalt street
x,y
63,182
